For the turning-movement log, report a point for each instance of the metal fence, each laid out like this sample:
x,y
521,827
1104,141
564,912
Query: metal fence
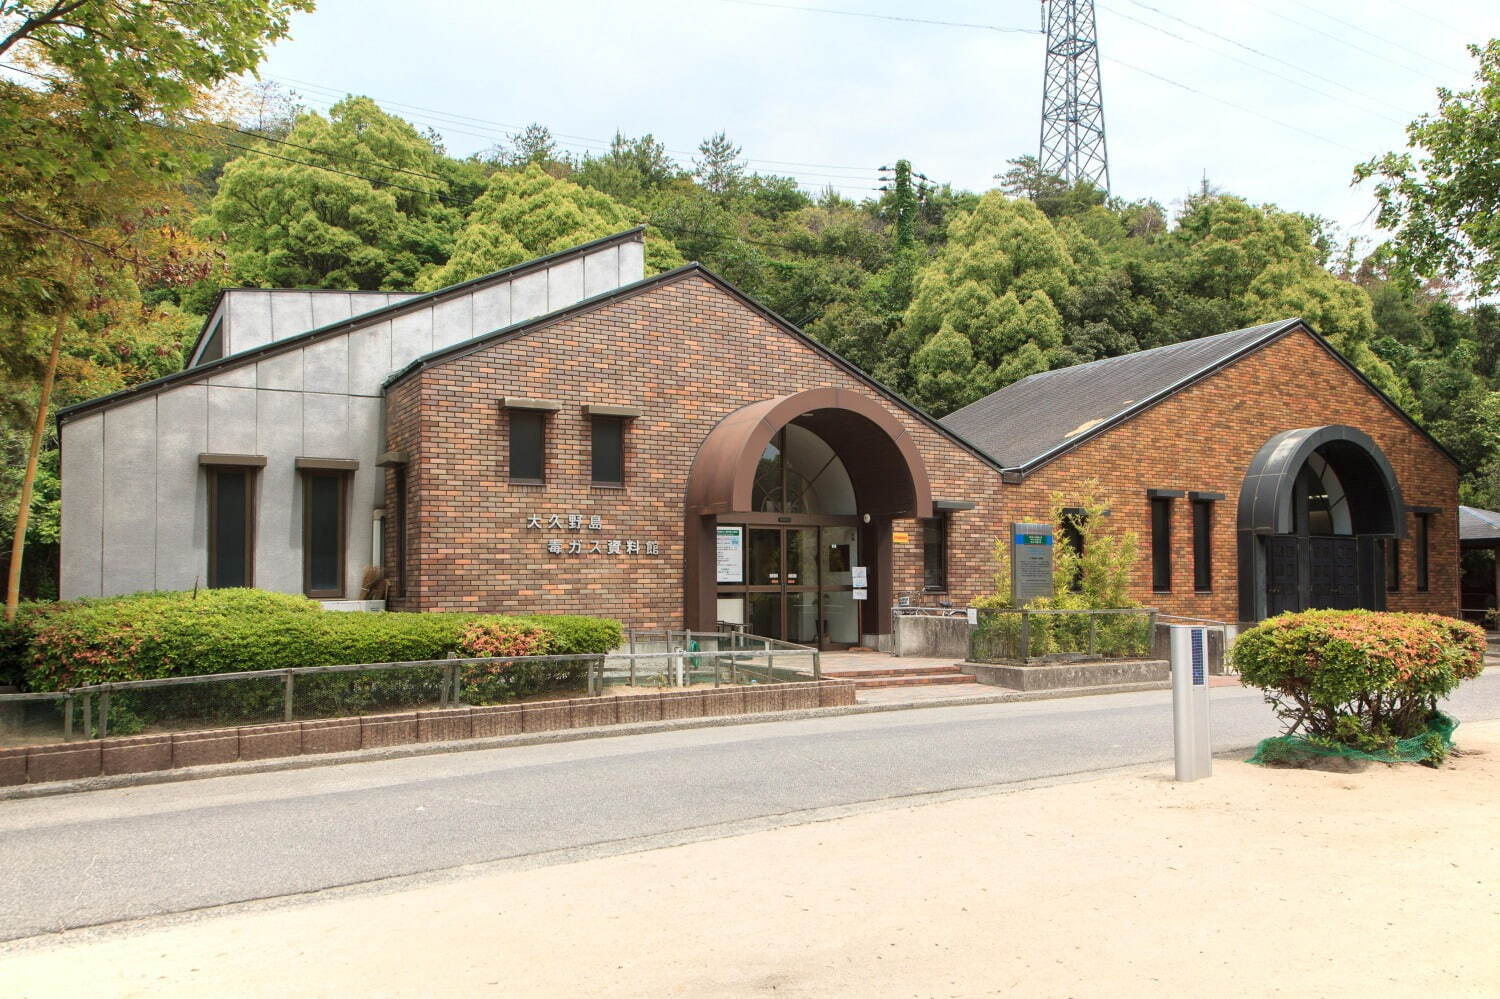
x,y
1026,635
662,659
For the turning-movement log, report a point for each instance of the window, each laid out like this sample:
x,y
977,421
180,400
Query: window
x,y
526,444
1392,564
1203,551
400,526
213,347
935,554
323,530
231,526
609,450
1424,538
1071,535
1161,545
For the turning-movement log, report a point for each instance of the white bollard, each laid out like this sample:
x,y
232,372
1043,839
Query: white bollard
x,y
1193,750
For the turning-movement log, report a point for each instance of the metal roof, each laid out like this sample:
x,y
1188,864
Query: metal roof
x,y
340,326
1045,412
1478,525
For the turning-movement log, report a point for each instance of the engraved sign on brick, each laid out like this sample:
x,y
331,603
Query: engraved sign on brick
x,y
1030,562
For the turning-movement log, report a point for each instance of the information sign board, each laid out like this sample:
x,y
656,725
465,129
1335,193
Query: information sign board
x,y
1031,548
731,558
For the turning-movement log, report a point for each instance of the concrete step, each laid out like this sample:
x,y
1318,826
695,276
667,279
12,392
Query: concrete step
x,y
872,681
893,671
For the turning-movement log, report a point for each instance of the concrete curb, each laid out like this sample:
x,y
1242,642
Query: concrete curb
x,y
106,783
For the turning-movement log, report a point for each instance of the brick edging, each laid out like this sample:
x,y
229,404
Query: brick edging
x,y
139,754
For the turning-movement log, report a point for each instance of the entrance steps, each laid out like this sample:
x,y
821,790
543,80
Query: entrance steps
x,y
901,676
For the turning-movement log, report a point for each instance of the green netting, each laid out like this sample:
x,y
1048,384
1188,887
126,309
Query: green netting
x,y
1430,745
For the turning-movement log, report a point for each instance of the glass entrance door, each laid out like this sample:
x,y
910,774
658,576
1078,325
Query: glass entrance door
x,y
797,585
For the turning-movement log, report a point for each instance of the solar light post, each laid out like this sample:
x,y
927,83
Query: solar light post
x,y
1193,751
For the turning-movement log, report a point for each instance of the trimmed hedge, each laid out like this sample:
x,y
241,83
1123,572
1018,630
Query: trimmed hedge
x,y
149,635
1358,679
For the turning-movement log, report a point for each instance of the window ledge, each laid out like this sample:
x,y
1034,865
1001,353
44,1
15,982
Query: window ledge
x,y
527,482
616,486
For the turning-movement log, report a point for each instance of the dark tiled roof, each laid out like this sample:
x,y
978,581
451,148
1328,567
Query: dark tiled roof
x,y
1478,525
1030,419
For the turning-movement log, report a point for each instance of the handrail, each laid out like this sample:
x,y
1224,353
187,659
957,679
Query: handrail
x,y
449,680
1068,610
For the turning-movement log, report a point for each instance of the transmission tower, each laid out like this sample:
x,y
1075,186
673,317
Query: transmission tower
x,y
1072,96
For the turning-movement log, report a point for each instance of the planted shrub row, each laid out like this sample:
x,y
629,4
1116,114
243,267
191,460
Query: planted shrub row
x,y
147,636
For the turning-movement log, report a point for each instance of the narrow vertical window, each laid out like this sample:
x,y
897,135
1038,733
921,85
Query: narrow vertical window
x,y
1071,535
1161,545
935,554
323,533
1424,541
527,441
608,450
231,526
1392,565
1203,549
400,528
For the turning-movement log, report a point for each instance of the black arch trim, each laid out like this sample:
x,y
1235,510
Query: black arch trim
x,y
1265,494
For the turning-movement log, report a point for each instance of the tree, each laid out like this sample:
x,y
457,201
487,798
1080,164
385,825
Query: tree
x,y
1441,196
525,214
90,180
631,172
995,287
720,170
1049,191
533,145
358,200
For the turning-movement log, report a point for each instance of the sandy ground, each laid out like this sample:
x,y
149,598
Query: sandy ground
x,y
1256,882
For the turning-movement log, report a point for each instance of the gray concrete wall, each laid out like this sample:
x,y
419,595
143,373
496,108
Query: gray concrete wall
x,y
134,500
254,317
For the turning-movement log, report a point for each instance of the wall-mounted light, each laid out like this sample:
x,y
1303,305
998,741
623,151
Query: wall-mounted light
x,y
866,518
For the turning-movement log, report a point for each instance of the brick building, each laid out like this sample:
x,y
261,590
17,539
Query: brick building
x,y
665,451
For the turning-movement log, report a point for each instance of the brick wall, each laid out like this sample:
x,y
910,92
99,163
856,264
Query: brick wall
x,y
688,353
1204,438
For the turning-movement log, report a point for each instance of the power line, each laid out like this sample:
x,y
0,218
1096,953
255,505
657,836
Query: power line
x,y
1429,15
887,17
1370,34
510,129
1167,80
819,181
1342,41
1239,107
1302,70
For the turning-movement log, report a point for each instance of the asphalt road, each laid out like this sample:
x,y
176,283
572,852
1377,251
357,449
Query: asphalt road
x,y
101,857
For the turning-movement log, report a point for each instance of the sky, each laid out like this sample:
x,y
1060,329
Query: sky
x,y
1274,101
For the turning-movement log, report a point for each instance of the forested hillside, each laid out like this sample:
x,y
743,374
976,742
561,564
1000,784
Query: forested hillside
x,y
945,295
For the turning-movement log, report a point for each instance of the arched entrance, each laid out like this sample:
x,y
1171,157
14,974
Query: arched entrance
x,y
1315,507
788,500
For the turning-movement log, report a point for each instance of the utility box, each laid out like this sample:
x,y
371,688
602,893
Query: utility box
x,y
1193,750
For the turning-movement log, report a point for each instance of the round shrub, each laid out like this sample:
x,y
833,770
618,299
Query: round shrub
x,y
1358,679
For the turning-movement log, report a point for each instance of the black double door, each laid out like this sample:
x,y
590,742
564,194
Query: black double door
x,y
1313,572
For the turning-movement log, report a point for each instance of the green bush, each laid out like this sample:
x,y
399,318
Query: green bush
x,y
151,635
1358,680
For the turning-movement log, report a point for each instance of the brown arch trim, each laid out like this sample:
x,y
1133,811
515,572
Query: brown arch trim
x,y
889,475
